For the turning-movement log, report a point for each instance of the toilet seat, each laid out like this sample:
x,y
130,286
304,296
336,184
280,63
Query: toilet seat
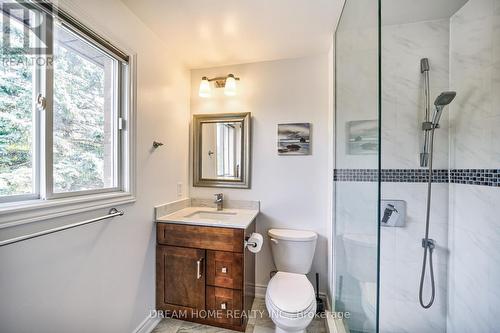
x,y
292,295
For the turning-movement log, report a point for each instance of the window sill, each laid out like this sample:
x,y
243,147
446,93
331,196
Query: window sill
x,y
18,213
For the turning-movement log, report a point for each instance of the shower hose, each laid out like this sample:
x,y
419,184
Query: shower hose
x,y
427,243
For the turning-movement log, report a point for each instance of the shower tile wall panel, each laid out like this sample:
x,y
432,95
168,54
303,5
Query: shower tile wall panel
x,y
401,261
402,95
474,278
356,58
402,110
474,231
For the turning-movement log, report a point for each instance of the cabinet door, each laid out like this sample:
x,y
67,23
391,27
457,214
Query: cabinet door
x,y
180,277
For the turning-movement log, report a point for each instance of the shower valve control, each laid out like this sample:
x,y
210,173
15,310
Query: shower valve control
x,y
393,213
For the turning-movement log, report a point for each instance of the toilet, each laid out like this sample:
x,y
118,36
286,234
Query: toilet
x,y
290,298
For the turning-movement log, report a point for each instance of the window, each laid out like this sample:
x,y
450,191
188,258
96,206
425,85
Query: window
x,y
64,104
17,127
228,149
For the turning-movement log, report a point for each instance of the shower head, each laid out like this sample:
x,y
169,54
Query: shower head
x,y
445,98
441,101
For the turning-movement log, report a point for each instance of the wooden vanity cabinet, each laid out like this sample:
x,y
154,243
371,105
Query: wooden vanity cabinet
x,y
202,271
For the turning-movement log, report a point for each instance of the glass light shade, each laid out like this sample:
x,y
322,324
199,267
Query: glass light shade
x,y
204,88
230,88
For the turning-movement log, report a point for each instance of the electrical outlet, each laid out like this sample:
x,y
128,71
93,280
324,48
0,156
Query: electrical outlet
x,y
179,190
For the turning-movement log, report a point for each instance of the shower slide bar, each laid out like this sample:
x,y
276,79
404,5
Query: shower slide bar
x,y
112,213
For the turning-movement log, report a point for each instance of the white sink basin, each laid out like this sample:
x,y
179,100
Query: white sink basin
x,y
207,216
211,215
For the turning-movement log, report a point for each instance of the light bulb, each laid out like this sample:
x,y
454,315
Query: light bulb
x,y
204,87
230,88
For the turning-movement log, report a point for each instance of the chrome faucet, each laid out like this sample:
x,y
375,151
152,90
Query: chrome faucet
x,y
219,200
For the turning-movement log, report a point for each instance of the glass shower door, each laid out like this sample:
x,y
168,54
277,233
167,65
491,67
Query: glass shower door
x,y
357,153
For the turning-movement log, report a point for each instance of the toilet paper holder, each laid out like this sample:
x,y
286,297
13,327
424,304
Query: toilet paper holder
x,y
247,243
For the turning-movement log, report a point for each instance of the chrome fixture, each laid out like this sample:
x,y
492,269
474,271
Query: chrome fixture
x,y
199,271
424,69
219,200
157,144
441,101
227,82
112,213
429,127
247,243
394,213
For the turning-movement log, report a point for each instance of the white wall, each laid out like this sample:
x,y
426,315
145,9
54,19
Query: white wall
x,y
101,277
293,190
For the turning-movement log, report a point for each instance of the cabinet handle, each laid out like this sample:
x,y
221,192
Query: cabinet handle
x,y
224,270
223,306
198,268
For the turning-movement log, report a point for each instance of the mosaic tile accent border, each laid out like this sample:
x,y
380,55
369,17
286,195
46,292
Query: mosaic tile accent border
x,y
484,177
390,175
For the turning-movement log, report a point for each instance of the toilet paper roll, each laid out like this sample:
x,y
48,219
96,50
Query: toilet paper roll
x,y
254,242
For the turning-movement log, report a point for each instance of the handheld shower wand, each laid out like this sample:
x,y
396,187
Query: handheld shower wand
x,y
428,244
441,101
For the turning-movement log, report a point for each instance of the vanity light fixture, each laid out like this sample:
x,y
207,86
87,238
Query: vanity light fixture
x,y
227,82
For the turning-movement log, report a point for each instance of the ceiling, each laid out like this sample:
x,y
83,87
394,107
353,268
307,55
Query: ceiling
x,y
209,33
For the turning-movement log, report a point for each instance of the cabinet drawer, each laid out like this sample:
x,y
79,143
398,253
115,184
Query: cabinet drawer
x,y
210,238
225,269
223,300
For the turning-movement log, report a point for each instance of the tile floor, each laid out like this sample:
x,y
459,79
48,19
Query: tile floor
x,y
261,324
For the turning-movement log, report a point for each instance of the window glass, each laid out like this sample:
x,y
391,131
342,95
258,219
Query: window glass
x,y
84,117
17,167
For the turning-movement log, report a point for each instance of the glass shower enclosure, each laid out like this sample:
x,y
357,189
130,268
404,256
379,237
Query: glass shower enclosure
x,y
393,59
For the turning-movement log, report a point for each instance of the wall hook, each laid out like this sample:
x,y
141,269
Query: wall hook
x,y
157,144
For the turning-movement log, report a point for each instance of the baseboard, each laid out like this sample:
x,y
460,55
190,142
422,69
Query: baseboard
x,y
260,290
147,325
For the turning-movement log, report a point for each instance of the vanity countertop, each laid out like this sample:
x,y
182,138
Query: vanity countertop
x,y
210,217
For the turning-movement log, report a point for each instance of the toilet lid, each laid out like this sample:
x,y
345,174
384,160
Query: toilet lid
x,y
290,292
293,235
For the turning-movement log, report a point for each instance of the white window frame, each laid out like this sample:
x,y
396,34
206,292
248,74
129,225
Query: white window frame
x,y
44,203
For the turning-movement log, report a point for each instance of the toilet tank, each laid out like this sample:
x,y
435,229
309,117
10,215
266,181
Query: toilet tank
x,y
293,250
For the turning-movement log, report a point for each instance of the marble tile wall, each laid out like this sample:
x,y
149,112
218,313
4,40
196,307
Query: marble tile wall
x,y
464,55
403,46
474,227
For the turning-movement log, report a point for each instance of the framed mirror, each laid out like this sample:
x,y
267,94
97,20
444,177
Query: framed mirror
x,y
221,150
